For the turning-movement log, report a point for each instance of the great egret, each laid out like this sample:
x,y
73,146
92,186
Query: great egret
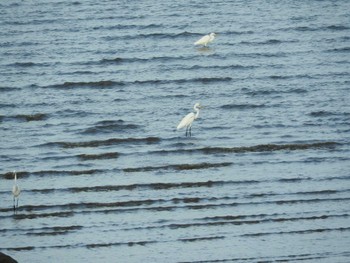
x,y
187,121
15,191
205,40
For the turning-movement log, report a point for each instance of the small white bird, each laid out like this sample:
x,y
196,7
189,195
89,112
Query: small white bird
x,y
205,40
187,121
16,192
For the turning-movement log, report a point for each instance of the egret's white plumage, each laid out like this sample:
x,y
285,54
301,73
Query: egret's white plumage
x,y
16,190
187,121
205,40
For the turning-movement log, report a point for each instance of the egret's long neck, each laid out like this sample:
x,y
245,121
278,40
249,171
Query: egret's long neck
x,y
197,113
15,178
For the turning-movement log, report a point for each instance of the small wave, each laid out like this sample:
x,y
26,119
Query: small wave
x,y
160,97
30,22
269,148
109,83
264,218
79,72
103,156
179,167
287,258
213,79
272,42
296,90
162,186
23,174
53,231
217,223
337,27
273,91
202,80
112,61
127,26
243,32
23,64
280,77
109,126
78,113
314,200
307,231
7,89
94,84
150,186
266,42
147,186
331,178
293,180
242,106
254,219
108,142
321,192
267,54
193,203
260,92
27,248
339,50
166,35
119,60
41,247
321,113
42,215
69,207
130,244
305,28
195,239
321,28
151,36
233,66
245,149
32,117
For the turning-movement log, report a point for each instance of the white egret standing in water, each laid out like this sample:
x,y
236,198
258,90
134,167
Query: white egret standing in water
x,y
205,40
187,121
15,191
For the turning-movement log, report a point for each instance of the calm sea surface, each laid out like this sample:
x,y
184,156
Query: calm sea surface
x,y
91,93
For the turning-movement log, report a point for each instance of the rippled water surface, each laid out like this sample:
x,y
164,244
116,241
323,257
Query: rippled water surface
x,y
92,92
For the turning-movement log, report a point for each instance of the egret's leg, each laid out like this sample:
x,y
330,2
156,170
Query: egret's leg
x,y
17,202
14,204
186,131
190,131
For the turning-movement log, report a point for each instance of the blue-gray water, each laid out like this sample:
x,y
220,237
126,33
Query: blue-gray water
x,y
92,92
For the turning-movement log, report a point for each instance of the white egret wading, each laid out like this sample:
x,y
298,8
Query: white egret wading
x,y
187,121
205,40
15,191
